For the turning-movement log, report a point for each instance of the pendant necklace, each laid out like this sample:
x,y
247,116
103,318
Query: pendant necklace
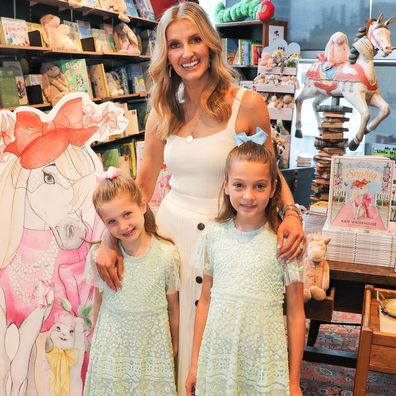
x,y
190,137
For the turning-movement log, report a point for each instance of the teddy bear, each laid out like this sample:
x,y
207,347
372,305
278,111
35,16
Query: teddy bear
x,y
114,88
120,7
55,84
125,39
56,34
287,102
316,268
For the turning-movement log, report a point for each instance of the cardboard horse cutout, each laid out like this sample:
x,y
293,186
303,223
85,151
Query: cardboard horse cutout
x,y
355,80
47,176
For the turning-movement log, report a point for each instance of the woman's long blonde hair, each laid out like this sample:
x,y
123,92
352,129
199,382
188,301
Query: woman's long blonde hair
x,y
164,90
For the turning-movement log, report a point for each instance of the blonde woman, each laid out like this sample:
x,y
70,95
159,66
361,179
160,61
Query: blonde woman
x,y
197,109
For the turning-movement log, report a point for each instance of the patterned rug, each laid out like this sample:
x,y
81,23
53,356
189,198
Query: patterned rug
x,y
322,379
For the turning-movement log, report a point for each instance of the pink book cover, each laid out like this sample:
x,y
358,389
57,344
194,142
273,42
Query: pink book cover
x,y
360,192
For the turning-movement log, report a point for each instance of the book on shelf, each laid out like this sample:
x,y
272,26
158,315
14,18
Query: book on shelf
x,y
110,157
141,111
34,90
104,4
255,53
123,79
84,29
146,39
127,158
14,32
360,192
35,33
75,71
133,124
74,34
131,8
90,3
100,40
98,79
109,32
144,9
135,78
8,92
19,80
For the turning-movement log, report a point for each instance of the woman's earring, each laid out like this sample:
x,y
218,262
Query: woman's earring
x,y
170,71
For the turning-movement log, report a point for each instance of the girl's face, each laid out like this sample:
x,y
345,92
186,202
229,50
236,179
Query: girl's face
x,y
187,53
250,188
124,219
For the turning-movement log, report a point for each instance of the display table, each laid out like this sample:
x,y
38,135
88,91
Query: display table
x,y
377,349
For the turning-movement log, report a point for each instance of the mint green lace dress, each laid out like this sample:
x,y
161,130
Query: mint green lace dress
x,y
131,352
244,349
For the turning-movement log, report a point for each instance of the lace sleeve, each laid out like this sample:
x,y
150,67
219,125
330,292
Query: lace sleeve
x,y
201,256
172,276
91,272
293,271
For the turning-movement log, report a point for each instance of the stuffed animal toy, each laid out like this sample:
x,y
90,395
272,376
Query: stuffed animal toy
x,y
75,3
266,10
56,34
316,268
125,39
237,12
287,102
120,7
113,84
55,85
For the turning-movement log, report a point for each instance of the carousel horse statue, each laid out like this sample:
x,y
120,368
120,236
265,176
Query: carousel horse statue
x,y
353,77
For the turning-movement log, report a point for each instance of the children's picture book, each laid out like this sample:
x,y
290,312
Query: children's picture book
x,y
123,79
98,79
109,35
100,40
36,27
74,34
135,78
13,32
127,159
360,192
75,71
131,8
8,91
84,29
19,80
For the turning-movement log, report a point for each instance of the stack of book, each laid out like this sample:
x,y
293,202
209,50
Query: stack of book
x,y
330,142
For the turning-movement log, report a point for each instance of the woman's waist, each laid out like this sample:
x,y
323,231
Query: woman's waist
x,y
203,204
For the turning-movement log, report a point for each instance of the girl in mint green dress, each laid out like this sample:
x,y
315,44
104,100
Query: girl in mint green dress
x,y
136,331
240,347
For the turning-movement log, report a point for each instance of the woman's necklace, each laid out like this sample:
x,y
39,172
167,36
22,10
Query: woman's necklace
x,y
191,136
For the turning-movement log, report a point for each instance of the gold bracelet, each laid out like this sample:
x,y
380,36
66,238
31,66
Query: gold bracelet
x,y
293,213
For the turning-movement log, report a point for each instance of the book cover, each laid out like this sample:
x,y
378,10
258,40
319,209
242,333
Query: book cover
x,y
150,9
33,26
133,124
109,35
100,40
127,159
74,34
75,71
147,39
142,8
110,157
141,111
14,32
84,29
19,80
98,79
360,192
123,79
135,78
8,92
104,4
131,8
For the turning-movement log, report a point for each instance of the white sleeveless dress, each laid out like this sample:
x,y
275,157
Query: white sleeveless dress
x,y
197,170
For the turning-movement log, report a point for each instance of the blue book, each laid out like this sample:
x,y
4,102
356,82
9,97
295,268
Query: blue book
x,y
135,78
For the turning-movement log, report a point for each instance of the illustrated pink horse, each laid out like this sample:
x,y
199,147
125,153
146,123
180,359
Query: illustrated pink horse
x,y
355,80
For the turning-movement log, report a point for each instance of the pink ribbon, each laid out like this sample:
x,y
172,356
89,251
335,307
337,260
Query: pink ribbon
x,y
110,174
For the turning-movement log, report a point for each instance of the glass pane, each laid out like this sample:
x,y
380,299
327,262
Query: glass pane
x,y
312,22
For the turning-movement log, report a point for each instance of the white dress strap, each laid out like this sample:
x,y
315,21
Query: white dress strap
x,y
235,109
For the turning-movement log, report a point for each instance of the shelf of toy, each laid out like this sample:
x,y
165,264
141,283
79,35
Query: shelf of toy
x,y
280,114
64,5
290,89
122,98
238,24
287,71
99,146
13,50
243,66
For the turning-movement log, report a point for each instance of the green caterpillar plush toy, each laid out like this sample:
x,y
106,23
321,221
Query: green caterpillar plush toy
x,y
238,12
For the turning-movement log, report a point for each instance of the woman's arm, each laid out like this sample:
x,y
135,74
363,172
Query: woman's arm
x,y
96,306
199,327
173,313
253,114
153,158
296,334
109,260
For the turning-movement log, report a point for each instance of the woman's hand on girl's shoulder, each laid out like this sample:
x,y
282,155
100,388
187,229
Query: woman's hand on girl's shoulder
x,y
291,238
191,381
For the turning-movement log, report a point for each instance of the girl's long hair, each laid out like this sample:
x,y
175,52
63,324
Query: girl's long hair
x,y
108,189
252,152
165,90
